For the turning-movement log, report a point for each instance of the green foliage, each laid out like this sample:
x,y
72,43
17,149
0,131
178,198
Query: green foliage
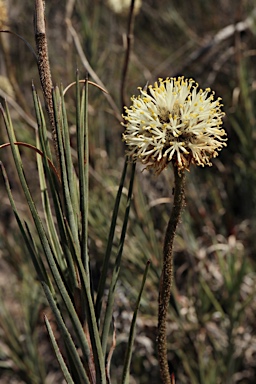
x,y
67,274
212,318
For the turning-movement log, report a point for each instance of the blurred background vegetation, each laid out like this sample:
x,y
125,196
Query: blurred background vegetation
x,y
212,329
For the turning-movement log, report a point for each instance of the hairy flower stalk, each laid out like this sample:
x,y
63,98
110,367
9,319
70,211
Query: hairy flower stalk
x,y
173,121
167,273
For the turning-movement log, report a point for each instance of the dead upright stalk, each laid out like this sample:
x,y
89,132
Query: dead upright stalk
x,y
129,40
167,274
44,65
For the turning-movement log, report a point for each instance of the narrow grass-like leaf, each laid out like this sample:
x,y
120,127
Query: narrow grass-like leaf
x,y
41,125
211,297
22,354
249,299
10,329
44,241
61,361
40,269
246,97
90,315
64,178
103,276
71,176
83,166
52,233
110,354
128,355
53,182
115,274
36,259
145,212
66,335
83,264
188,366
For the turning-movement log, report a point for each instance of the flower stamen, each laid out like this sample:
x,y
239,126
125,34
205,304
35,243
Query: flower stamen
x,y
174,121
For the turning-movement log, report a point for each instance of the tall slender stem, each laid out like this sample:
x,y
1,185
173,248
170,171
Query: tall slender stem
x,y
167,274
44,67
129,41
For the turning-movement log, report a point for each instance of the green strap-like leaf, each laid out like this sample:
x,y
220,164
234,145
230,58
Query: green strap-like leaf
x,y
90,315
42,130
71,176
51,178
83,166
64,177
39,266
66,335
61,361
115,274
52,233
51,258
103,276
128,355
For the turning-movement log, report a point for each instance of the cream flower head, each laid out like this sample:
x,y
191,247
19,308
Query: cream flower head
x,y
174,121
123,6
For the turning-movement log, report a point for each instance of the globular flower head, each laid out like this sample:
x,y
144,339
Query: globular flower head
x,y
174,121
123,6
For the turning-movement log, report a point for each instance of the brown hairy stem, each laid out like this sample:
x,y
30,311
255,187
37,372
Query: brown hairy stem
x,y
167,274
44,66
